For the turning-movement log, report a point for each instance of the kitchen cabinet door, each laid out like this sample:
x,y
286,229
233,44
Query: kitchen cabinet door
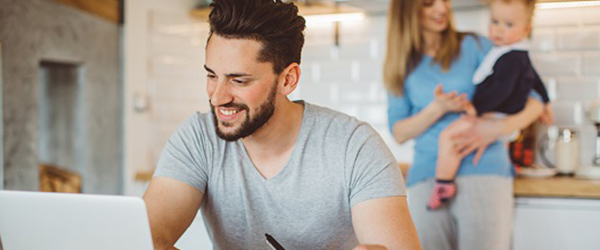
x,y
553,224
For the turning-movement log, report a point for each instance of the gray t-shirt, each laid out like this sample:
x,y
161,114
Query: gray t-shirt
x,y
336,163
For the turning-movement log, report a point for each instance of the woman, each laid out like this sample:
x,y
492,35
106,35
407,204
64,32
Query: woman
x,y
428,64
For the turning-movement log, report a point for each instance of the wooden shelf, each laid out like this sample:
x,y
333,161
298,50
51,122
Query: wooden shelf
x,y
107,9
143,175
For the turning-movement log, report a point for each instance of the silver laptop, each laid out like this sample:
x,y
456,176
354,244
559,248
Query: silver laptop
x,y
35,220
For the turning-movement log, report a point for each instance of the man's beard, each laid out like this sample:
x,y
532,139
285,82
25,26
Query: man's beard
x,y
250,125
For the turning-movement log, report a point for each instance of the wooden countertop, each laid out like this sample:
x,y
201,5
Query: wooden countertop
x,y
558,186
565,187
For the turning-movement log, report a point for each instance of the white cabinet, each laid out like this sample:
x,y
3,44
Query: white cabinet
x,y
553,224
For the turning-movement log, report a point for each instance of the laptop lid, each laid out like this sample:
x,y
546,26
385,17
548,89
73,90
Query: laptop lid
x,y
36,220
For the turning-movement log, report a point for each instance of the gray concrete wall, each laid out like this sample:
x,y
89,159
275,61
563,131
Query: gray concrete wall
x,y
32,31
1,133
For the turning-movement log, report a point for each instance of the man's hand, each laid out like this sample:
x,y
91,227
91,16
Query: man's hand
x,y
370,247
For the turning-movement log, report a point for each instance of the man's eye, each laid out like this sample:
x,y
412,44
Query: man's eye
x,y
211,76
509,24
494,21
239,81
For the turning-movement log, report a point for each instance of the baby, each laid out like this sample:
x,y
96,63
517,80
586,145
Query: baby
x,y
504,80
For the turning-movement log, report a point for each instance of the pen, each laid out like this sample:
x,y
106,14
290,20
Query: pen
x,y
273,243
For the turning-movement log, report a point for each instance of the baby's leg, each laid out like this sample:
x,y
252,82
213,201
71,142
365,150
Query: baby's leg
x,y
447,165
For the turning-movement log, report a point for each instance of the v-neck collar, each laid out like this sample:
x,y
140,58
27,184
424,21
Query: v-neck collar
x,y
287,168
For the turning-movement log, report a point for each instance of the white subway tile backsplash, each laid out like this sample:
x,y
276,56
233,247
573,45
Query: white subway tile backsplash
x,y
372,71
557,64
177,66
357,92
552,87
564,113
362,31
356,51
318,52
319,34
323,94
172,111
337,72
577,89
374,114
171,91
542,40
309,72
579,38
591,15
557,17
591,63
167,17
473,20
349,109
189,47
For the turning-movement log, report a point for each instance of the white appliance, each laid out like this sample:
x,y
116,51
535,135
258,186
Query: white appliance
x,y
35,220
593,171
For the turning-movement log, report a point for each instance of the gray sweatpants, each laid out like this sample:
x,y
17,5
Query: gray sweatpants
x,y
479,217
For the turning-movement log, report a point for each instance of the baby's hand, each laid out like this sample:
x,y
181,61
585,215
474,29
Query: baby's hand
x,y
470,109
547,116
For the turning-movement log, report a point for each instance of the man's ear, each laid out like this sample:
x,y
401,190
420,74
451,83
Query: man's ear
x,y
288,79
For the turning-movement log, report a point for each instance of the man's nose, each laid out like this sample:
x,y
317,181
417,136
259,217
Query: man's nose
x,y
221,94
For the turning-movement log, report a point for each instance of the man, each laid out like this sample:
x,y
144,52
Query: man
x,y
260,164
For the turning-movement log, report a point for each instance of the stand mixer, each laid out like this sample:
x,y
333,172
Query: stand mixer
x,y
593,172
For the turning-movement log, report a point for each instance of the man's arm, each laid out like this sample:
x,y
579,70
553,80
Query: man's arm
x,y
172,206
384,223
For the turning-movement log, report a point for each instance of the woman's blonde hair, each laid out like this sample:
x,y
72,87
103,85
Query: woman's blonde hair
x,y
405,43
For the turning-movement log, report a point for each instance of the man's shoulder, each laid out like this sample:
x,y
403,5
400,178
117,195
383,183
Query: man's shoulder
x,y
337,122
197,126
198,120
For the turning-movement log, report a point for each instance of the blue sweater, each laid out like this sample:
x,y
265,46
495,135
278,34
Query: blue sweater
x,y
418,93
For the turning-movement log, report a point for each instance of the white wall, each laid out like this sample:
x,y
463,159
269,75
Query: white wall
x,y
163,48
164,54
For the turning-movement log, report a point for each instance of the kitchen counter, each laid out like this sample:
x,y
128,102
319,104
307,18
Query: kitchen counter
x,y
558,186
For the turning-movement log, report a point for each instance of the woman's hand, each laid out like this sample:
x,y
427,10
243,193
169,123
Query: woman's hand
x,y
548,115
484,131
449,102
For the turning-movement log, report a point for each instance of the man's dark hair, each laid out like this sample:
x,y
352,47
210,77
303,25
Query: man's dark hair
x,y
273,23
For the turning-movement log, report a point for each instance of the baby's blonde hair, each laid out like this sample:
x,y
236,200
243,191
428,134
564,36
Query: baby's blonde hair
x,y
529,5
